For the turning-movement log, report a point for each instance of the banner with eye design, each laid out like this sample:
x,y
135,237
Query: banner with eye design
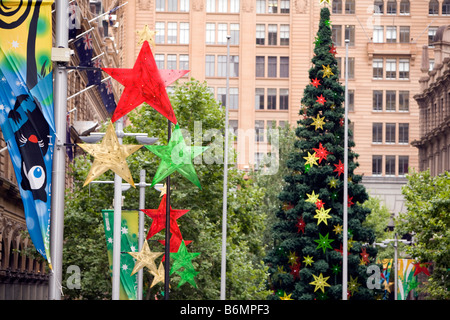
x,y
26,108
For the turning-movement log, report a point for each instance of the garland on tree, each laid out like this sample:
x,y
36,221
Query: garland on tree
x,y
306,261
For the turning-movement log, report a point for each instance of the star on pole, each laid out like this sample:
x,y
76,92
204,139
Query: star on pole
x,y
158,275
144,83
183,259
320,282
109,154
146,35
322,215
318,122
145,258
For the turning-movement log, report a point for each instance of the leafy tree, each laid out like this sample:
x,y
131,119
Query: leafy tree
x,y
427,219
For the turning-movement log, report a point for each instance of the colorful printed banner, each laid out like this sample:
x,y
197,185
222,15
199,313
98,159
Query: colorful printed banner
x,y
129,243
26,108
406,279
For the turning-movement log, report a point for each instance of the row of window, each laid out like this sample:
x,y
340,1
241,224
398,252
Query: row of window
x,y
172,63
217,34
271,99
401,34
175,35
390,165
272,34
390,135
390,69
390,100
221,70
272,70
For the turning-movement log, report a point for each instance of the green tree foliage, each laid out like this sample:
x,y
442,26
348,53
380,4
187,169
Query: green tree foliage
x,y
202,119
292,245
427,219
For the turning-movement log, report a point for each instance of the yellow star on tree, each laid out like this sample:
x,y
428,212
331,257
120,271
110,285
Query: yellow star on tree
x,y
325,1
318,122
320,282
322,215
110,154
308,260
285,297
292,258
353,285
312,198
311,159
333,183
327,71
146,35
337,229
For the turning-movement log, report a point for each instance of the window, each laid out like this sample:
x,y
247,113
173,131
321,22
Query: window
x,y
259,98
234,33
337,6
234,66
285,6
351,68
159,59
403,165
431,35
260,66
431,65
259,158
403,69
233,125
377,68
184,5
284,99
260,34
433,7
391,68
390,100
404,34
210,5
223,6
377,165
260,6
184,62
391,34
272,34
171,61
273,6
284,34
234,98
378,6
377,104
259,130
403,133
172,5
234,6
350,34
390,132
160,5
403,100
222,66
171,32
404,7
210,33
336,34
377,133
222,96
350,6
160,28
351,100
284,67
222,30
210,65
390,166
391,7
271,99
272,66
184,32
446,7
378,34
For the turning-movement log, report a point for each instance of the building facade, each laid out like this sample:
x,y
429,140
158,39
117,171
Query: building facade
x,y
434,108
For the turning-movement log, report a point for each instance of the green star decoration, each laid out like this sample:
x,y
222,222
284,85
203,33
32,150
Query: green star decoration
x,y
176,156
187,275
324,242
182,258
336,269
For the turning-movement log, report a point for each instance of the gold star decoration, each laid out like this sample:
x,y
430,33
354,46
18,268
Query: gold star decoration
x,y
312,198
318,122
337,229
308,260
163,190
146,35
320,282
333,183
327,72
292,258
109,154
311,159
322,215
159,275
145,258
286,297
324,1
281,269
353,285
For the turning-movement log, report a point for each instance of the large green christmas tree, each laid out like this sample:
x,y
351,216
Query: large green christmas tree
x,y
306,261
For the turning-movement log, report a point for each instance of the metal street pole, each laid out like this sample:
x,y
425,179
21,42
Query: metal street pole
x,y
345,200
167,236
225,182
142,186
59,156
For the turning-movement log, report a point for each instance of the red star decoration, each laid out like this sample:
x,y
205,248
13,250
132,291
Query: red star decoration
x,y
421,267
333,50
295,270
300,225
339,168
340,250
315,82
341,122
350,203
364,255
144,83
159,220
321,99
321,152
319,204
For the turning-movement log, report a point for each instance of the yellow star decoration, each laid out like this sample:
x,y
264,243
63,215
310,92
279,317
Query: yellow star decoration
x,y
308,260
337,229
145,258
285,297
353,285
311,159
110,154
146,35
281,269
327,71
312,198
333,183
350,243
159,275
318,122
320,282
322,215
292,258
324,1
163,190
